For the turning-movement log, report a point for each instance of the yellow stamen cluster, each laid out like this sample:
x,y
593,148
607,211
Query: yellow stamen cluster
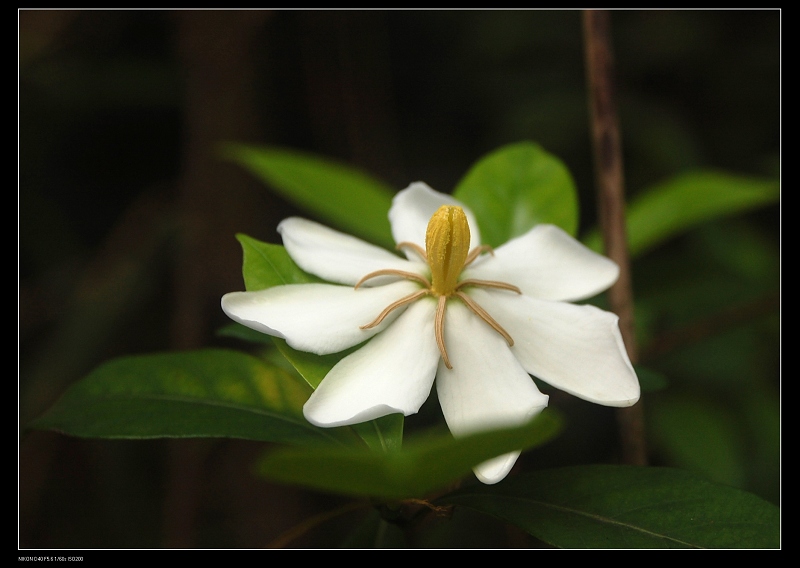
x,y
447,254
447,248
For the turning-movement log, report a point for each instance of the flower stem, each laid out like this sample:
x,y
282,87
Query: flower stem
x,y
611,206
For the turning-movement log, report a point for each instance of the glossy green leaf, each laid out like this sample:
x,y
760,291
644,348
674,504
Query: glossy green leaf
x,y
210,393
516,187
420,467
672,207
266,265
608,506
343,196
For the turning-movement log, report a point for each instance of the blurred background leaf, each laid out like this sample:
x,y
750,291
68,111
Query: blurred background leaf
x,y
425,464
346,197
676,205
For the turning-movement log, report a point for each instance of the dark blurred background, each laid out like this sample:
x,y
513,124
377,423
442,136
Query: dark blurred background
x,y
127,218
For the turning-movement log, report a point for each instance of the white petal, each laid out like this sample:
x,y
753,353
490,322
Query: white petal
x,y
337,257
413,207
318,318
496,469
577,349
486,388
549,264
392,373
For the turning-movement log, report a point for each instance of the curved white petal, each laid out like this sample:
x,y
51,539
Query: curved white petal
x,y
496,469
392,373
319,318
337,257
486,388
549,264
413,207
577,349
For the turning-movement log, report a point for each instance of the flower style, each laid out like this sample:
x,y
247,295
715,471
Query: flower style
x,y
477,320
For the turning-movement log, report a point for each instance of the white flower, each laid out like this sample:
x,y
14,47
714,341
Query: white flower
x,y
479,321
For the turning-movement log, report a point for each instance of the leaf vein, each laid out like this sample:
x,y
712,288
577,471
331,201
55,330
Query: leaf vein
x,y
598,518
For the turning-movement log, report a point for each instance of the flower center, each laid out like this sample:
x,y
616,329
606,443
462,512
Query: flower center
x,y
447,248
447,254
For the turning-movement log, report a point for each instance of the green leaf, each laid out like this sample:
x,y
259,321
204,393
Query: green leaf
x,y
422,465
608,506
210,393
384,434
516,187
266,265
311,367
674,206
343,196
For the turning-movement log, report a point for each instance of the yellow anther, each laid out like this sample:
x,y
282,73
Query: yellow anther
x,y
447,248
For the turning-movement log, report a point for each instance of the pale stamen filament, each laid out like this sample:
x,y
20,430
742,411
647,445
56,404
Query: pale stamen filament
x,y
394,272
476,252
415,247
438,330
484,315
393,306
488,284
